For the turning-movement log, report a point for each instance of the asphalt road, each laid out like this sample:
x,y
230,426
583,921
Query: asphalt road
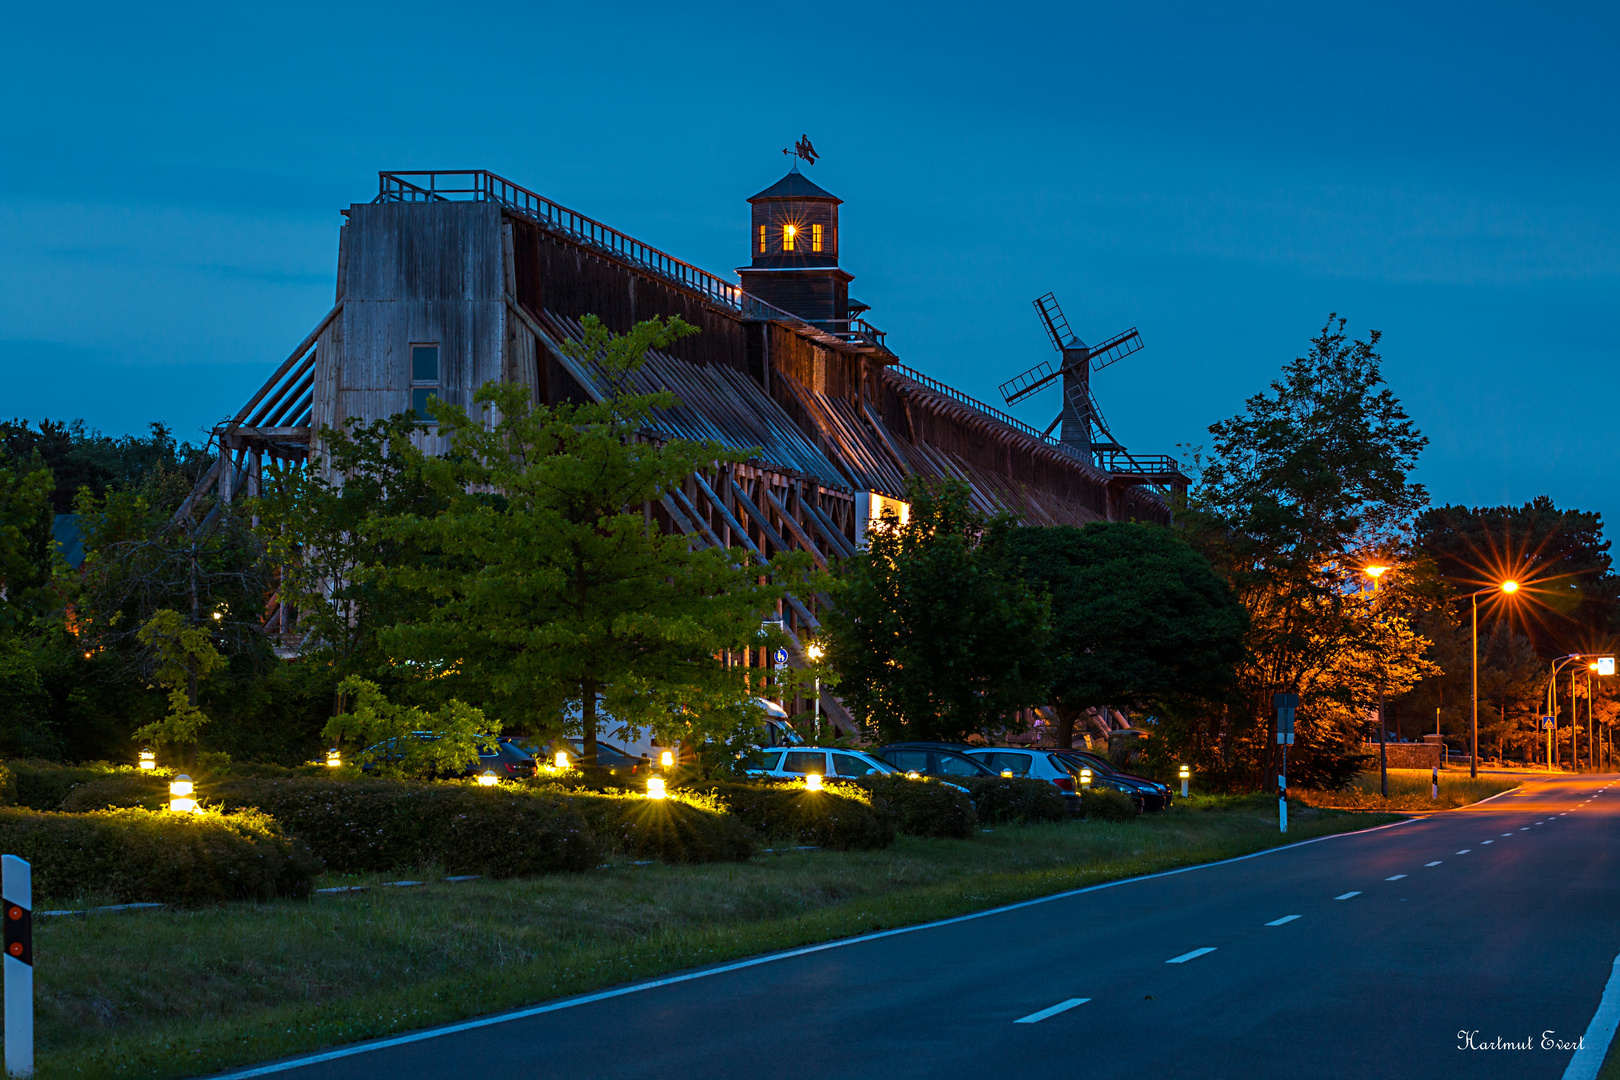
x,y
1357,956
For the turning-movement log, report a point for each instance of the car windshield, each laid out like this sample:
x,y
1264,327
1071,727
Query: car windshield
x,y
851,765
766,760
953,765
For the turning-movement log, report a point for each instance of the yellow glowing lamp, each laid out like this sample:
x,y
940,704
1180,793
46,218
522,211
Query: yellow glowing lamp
x,y
334,760
1007,773
487,778
812,782
218,615
655,787
667,759
1085,777
180,791
1510,586
562,759
1376,572
815,652
148,760
1185,772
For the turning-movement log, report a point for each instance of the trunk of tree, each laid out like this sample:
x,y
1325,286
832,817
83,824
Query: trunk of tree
x,y
1064,732
587,713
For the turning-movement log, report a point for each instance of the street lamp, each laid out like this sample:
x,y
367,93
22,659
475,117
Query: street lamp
x,y
816,652
1376,573
1509,587
1552,705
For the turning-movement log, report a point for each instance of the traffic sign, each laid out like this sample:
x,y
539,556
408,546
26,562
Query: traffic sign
x,y
1285,704
781,658
1546,721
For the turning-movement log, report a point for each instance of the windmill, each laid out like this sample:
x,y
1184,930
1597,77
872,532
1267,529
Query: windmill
x,y
1084,428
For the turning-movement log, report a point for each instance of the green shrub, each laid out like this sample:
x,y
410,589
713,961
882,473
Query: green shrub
x,y
140,856
8,786
42,785
363,825
1106,804
672,830
923,807
788,814
119,789
1015,800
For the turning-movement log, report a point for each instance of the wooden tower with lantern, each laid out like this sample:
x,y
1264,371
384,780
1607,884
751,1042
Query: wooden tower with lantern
x,y
794,241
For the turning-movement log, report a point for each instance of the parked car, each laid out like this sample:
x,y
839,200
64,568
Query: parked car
x,y
939,760
1034,764
508,759
1151,794
799,761
612,758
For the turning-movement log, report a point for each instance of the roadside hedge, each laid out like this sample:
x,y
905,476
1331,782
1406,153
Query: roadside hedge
x,y
1015,800
788,814
1106,804
670,830
138,856
362,825
923,807
42,785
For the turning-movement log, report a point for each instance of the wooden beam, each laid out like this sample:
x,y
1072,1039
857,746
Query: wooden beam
x,y
736,527
829,530
794,527
286,366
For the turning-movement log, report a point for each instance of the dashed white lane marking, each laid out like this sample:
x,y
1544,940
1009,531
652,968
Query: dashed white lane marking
x,y
1487,841
1053,1010
1284,919
1348,895
1525,829
1396,877
1435,863
1186,956
1507,834
1465,851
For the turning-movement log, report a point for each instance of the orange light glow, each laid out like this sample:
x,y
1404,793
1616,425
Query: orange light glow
x,y
1510,586
1375,572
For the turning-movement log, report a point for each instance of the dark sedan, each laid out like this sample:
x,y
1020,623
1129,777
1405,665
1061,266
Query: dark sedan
x,y
943,762
1154,795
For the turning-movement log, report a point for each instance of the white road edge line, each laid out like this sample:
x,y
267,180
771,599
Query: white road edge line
x,y
1186,956
1062,1006
1599,1033
753,961
1348,895
1284,919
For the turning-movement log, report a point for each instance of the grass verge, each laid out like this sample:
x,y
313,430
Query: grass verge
x,y
1408,790
180,993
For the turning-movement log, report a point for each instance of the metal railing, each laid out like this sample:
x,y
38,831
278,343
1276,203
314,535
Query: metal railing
x,y
480,185
1118,461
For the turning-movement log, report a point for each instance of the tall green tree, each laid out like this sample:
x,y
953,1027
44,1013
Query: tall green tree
x,y
554,592
1140,620
1301,490
934,635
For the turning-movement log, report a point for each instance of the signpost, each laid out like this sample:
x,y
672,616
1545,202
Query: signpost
x,y
1285,705
1549,723
17,898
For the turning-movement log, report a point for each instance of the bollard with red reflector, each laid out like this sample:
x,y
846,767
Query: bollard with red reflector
x,y
17,896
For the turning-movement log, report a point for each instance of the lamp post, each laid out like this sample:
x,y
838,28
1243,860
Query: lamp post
x,y
1376,573
1552,702
815,652
1508,587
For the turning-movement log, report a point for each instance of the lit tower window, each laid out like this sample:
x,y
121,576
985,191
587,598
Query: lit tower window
x,y
789,232
815,238
762,239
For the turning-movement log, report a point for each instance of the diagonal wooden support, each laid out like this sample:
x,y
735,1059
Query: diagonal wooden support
x,y
794,527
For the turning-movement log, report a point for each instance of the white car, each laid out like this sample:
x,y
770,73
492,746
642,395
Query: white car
x,y
797,762
1035,764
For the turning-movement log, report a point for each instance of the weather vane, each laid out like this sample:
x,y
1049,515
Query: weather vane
x,y
803,149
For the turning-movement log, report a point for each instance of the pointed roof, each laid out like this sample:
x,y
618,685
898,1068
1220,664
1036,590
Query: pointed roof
x,y
795,185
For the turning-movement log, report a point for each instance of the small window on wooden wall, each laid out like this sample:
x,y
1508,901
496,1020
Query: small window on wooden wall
x,y
424,378
790,233
762,239
815,238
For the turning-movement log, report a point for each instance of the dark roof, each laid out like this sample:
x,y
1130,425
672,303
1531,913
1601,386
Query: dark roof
x,y
795,185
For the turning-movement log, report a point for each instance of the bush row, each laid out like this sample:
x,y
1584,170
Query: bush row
x,y
843,820
1015,800
132,855
923,807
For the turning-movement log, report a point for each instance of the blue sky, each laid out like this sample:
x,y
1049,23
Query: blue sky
x,y
1219,178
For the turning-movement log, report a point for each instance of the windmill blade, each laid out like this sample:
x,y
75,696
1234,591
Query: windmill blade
x,y
1057,327
1115,348
1017,389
